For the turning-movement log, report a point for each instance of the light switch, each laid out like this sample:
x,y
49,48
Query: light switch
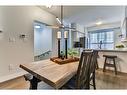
x,y
11,39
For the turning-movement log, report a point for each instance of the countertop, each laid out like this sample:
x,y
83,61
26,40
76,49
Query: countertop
x,y
115,50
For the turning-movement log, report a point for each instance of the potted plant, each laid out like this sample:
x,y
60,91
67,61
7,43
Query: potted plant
x,y
72,53
119,46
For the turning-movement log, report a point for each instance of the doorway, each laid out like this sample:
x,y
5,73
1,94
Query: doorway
x,y
42,41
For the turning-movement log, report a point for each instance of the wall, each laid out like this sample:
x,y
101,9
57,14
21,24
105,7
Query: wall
x,y
55,43
104,26
16,20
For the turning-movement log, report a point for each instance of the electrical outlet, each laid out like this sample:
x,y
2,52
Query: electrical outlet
x,y
11,67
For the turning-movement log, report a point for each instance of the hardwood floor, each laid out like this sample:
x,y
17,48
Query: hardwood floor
x,y
108,80
18,83
104,80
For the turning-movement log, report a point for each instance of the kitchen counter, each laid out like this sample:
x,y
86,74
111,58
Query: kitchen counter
x,y
115,50
121,60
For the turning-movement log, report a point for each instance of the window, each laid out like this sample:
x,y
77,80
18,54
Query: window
x,y
101,39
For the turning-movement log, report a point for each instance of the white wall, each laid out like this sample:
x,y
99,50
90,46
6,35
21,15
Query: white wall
x,y
55,43
16,20
104,26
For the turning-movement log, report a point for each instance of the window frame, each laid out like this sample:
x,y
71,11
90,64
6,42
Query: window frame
x,y
105,36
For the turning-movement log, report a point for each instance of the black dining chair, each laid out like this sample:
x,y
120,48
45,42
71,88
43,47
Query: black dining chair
x,y
85,73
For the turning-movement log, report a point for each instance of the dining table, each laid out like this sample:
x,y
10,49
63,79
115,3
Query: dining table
x,y
55,75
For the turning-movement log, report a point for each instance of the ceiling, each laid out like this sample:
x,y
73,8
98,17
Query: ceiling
x,y
88,15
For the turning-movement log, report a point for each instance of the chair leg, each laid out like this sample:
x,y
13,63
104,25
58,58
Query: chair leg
x,y
104,65
97,67
87,85
115,66
94,83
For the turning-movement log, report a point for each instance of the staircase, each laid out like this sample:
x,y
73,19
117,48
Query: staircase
x,y
45,55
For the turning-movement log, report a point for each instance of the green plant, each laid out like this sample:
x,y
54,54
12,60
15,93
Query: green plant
x,y
120,46
73,52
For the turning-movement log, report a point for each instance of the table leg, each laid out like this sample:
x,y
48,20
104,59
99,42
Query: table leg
x,y
34,83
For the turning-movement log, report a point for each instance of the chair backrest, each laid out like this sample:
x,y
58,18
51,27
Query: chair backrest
x,y
85,69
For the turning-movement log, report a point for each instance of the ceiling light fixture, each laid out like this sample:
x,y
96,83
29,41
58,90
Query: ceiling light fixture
x,y
37,26
58,20
61,22
99,23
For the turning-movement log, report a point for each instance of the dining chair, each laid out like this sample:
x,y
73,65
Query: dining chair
x,y
97,66
85,73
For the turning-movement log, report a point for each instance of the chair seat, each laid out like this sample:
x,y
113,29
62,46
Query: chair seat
x,y
110,56
71,84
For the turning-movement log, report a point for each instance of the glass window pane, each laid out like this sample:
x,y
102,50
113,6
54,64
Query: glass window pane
x,y
101,39
101,36
109,36
93,37
94,46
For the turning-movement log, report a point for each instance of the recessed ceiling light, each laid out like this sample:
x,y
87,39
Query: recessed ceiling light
x,y
48,6
37,26
99,23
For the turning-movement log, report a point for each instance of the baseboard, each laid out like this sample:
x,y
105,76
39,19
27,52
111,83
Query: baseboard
x,y
12,76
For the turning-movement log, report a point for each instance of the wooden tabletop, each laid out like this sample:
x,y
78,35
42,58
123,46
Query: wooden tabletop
x,y
52,73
